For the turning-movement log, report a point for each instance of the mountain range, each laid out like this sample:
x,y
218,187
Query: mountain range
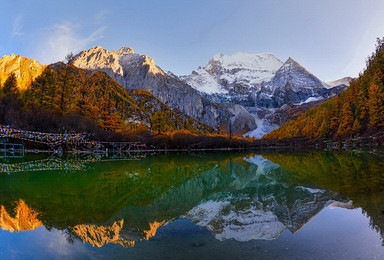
x,y
136,71
242,93
237,91
264,85
258,80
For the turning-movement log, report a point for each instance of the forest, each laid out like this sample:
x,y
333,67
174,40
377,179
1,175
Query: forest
x,y
66,99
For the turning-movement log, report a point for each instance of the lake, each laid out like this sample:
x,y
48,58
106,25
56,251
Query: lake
x,y
203,205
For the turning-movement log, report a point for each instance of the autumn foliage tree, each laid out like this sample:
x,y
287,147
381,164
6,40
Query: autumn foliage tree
x,y
108,118
376,105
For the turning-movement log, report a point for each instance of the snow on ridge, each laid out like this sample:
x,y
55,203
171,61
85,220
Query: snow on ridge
x,y
202,81
294,73
251,71
310,99
223,71
264,61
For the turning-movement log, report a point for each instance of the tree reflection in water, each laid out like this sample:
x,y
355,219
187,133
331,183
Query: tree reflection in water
x,y
237,196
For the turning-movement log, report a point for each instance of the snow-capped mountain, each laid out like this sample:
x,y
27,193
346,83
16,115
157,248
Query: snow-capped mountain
x,y
257,80
137,71
293,73
292,83
260,82
227,74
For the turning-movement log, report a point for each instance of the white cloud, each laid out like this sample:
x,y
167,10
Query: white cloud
x,y
17,26
101,16
64,38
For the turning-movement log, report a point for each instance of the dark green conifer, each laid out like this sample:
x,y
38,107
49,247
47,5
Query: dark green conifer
x,y
10,85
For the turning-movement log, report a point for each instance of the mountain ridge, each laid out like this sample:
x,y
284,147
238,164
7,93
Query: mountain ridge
x,y
137,71
230,79
226,70
246,80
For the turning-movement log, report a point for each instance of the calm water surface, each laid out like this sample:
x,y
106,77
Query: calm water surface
x,y
312,205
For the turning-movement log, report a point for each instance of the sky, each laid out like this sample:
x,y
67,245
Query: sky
x,y
330,38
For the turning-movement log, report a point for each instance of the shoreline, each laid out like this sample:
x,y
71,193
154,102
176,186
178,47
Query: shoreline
x,y
278,148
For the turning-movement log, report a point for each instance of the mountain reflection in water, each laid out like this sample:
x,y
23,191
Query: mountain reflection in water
x,y
237,196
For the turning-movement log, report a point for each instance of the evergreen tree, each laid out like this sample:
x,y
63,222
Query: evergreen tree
x,y
43,90
157,122
356,128
10,85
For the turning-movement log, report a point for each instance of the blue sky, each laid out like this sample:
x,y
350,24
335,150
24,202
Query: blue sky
x,y
331,38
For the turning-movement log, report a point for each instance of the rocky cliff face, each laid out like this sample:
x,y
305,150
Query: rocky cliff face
x,y
136,71
25,70
242,122
292,83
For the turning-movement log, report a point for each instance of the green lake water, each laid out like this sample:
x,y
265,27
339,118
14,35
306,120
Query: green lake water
x,y
206,205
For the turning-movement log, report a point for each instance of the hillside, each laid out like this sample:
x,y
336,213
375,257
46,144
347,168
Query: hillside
x,y
66,98
358,111
136,71
25,70
68,89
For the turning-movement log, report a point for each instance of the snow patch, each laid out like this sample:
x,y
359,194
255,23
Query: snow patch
x,y
202,81
310,99
263,127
